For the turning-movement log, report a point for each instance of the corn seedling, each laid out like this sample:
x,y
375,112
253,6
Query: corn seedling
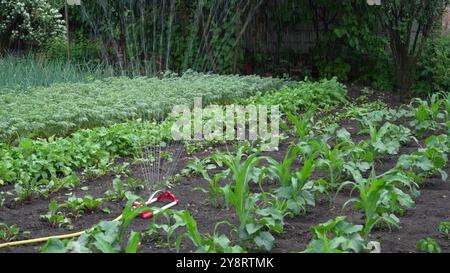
x,y
214,190
303,125
333,160
378,197
283,170
294,188
205,243
255,224
429,115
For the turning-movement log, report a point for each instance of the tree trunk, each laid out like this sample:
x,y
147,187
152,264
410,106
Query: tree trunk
x,y
123,37
405,67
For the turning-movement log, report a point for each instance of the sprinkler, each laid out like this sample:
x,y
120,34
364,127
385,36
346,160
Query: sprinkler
x,y
163,196
158,160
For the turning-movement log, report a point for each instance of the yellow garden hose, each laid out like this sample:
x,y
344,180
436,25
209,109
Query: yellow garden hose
x,y
167,196
163,196
45,239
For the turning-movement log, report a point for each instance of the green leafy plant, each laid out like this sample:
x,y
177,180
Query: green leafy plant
x,y
11,233
214,190
444,229
337,68
284,170
429,160
303,125
332,159
106,237
121,169
205,243
305,95
336,236
119,190
171,224
293,184
55,217
135,185
387,139
429,114
79,105
432,70
255,224
429,245
197,167
78,206
378,198
68,182
27,190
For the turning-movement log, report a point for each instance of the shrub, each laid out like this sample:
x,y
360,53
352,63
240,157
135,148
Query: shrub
x,y
82,50
39,21
337,68
433,74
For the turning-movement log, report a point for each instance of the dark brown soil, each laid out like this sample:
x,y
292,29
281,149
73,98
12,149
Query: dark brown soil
x,y
432,207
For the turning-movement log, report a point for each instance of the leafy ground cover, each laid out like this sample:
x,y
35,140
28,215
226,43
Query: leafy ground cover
x,y
346,179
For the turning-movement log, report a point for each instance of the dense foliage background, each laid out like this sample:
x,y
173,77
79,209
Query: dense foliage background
x,y
396,46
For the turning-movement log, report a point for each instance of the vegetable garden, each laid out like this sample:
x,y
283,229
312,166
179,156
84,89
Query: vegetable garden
x,y
358,174
96,96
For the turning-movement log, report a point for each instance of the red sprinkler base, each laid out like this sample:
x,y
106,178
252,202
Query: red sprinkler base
x,y
164,196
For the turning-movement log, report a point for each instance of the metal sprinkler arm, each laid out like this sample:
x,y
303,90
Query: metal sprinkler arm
x,y
162,196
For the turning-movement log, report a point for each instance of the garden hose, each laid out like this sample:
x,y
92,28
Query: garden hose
x,y
45,239
164,196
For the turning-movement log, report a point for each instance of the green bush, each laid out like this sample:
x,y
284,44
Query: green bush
x,y
377,72
28,22
82,50
337,68
433,73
